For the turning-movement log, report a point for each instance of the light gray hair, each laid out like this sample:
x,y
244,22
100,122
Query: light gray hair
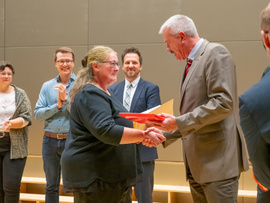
x,y
180,23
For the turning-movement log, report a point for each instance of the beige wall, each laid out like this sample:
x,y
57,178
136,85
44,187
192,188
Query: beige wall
x,y
30,31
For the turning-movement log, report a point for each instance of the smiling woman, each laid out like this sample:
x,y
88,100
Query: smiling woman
x,y
15,117
100,140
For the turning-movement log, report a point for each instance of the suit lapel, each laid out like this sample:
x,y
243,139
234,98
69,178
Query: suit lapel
x,y
137,94
192,69
120,92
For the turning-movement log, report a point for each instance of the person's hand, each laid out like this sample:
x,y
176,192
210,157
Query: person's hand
x,y
62,91
62,94
169,124
153,137
7,126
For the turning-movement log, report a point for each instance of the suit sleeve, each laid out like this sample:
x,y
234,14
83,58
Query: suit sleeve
x,y
171,137
255,104
246,121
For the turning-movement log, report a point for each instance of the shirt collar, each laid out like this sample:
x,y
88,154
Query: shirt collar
x,y
195,49
134,82
71,79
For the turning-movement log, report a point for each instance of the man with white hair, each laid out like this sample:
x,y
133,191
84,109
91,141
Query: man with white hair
x,y
213,143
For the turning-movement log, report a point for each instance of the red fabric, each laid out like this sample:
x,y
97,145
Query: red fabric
x,y
189,62
259,184
143,117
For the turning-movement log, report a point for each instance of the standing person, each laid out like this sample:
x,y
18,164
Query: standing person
x,y
213,144
100,161
138,95
254,107
53,108
15,117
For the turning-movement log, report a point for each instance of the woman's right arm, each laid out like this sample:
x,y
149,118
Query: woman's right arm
x,y
94,110
16,123
131,135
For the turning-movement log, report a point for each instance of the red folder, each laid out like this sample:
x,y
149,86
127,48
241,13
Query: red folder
x,y
142,117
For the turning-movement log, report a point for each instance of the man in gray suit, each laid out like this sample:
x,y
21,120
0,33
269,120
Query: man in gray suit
x,y
213,144
254,107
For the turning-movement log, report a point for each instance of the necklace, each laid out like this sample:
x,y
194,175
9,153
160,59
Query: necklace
x,y
7,105
6,100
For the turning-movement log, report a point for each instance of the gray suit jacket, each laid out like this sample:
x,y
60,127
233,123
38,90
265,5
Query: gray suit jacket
x,y
213,143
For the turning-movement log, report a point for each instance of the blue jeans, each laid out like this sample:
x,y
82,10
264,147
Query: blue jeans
x,y
11,171
52,149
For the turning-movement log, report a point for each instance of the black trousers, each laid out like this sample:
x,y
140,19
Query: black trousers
x,y
262,197
11,171
111,195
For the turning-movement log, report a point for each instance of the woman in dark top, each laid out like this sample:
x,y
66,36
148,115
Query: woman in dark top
x,y
100,161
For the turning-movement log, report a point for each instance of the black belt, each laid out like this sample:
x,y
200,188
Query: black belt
x,y
4,134
55,135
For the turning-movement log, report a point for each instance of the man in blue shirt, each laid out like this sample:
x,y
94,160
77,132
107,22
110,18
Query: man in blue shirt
x,y
53,108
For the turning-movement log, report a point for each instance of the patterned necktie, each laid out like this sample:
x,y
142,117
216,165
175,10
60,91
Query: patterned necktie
x,y
189,62
127,97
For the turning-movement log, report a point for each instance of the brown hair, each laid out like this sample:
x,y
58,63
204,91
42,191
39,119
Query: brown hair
x,y
4,64
64,50
132,50
265,19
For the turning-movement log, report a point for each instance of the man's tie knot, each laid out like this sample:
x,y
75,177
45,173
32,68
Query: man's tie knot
x,y
189,62
129,85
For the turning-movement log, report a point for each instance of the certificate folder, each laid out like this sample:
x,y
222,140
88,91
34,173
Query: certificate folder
x,y
150,114
142,117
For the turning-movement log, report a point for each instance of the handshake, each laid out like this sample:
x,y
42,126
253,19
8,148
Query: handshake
x,y
153,137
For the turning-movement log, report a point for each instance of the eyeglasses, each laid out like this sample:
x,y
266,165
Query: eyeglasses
x,y
112,63
6,74
68,62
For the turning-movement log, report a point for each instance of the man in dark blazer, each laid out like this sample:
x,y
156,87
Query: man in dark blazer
x,y
213,143
255,121
144,96
254,107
